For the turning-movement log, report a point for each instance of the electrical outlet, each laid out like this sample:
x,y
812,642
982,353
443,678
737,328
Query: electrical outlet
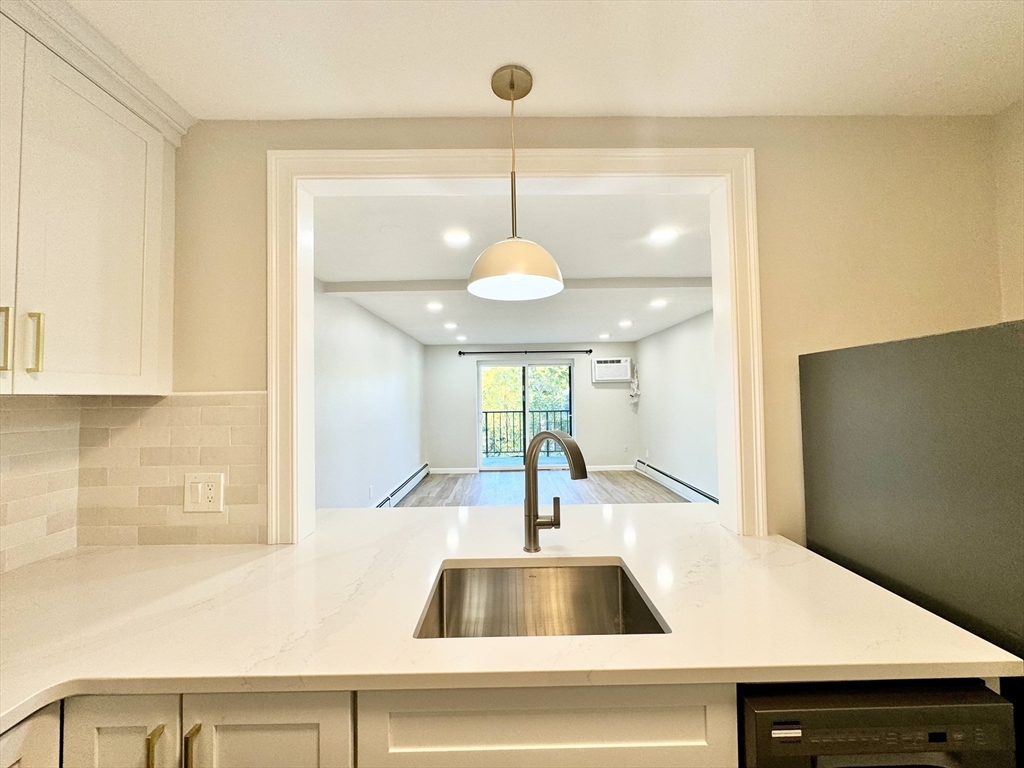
x,y
204,492
370,493
625,449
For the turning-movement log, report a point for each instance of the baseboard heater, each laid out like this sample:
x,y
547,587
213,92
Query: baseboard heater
x,y
403,490
675,479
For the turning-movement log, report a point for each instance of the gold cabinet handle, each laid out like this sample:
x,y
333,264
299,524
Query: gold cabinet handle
x,y
151,740
190,742
40,319
5,362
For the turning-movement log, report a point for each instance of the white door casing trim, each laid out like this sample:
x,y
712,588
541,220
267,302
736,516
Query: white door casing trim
x,y
735,286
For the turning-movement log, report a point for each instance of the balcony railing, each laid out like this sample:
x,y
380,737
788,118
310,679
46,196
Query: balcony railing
x,y
503,431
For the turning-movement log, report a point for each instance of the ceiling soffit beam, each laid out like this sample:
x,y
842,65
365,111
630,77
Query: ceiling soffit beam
x,y
585,283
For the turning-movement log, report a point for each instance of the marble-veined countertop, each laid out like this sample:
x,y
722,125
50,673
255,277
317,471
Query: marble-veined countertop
x,y
338,610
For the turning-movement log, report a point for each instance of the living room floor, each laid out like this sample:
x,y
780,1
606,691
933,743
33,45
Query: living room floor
x,y
498,489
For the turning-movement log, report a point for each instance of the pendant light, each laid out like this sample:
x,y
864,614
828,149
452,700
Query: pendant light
x,y
514,269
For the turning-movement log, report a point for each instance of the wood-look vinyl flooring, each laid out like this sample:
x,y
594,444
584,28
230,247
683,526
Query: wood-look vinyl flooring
x,y
503,489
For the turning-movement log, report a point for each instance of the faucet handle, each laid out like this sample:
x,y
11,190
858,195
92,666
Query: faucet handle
x,y
556,512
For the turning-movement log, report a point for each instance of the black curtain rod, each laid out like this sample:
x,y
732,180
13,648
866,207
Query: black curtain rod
x,y
463,353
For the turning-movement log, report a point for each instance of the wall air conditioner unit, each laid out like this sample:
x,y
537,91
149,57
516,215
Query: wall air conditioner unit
x,y
608,369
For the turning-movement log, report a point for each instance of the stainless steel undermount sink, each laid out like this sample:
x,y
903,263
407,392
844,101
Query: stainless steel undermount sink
x,y
561,597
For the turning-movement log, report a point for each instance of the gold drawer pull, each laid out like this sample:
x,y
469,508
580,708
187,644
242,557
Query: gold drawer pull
x,y
5,356
151,740
40,319
190,742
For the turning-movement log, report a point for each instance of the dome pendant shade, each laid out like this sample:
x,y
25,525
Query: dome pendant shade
x,y
515,270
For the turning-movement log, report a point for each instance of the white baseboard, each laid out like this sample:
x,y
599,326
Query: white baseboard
x,y
453,470
611,468
676,487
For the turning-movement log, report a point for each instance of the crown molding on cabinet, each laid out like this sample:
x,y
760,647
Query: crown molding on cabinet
x,y
64,31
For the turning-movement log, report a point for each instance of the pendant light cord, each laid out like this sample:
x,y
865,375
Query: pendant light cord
x,y
512,88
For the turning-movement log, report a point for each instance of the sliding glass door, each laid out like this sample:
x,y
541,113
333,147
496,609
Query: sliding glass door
x,y
517,402
502,416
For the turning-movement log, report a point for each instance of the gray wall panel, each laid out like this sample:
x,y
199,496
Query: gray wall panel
x,y
914,471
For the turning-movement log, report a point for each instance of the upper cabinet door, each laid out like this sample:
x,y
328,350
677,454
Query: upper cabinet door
x,y
12,79
90,255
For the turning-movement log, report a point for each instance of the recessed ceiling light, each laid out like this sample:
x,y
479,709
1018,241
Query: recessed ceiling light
x,y
460,338
658,303
662,235
625,323
451,326
457,238
435,306
604,336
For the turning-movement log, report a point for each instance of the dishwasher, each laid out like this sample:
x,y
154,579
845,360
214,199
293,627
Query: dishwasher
x,y
923,724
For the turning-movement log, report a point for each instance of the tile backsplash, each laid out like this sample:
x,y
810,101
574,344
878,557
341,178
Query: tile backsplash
x,y
110,471
135,452
38,477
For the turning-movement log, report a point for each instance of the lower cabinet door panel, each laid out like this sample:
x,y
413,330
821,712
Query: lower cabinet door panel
x,y
268,730
678,725
132,731
34,742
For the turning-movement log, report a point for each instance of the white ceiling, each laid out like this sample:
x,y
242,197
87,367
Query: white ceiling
x,y
266,59
383,232
591,236
572,316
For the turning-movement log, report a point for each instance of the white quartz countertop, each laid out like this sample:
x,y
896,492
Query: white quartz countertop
x,y
338,611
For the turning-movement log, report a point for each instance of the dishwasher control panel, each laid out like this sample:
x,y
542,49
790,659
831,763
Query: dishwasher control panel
x,y
791,726
789,738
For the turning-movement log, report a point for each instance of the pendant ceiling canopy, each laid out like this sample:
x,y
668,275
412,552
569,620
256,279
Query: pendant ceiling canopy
x,y
514,269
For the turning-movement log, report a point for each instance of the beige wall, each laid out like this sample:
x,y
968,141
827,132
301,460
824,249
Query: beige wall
x,y
1009,171
870,229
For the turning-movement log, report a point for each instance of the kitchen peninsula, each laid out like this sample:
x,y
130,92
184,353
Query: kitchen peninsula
x,y
338,611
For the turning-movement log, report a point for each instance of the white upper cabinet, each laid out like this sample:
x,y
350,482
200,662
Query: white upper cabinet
x,y
12,79
93,219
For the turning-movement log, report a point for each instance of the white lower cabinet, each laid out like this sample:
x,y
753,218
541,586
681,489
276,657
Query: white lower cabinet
x,y
268,730
691,726
658,725
122,731
34,742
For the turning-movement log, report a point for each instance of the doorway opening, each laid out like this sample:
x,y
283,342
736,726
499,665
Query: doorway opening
x,y
515,403
723,177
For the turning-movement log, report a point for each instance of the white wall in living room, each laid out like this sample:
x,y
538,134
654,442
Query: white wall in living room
x,y
677,402
605,418
369,383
